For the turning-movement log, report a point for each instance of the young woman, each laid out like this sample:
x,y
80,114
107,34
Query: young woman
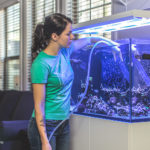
x,y
52,78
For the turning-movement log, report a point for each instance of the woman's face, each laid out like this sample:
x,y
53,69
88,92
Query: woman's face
x,y
66,37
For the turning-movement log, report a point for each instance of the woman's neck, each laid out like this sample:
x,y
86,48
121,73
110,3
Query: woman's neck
x,y
52,49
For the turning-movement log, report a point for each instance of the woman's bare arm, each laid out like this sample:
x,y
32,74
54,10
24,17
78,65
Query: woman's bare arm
x,y
39,105
80,43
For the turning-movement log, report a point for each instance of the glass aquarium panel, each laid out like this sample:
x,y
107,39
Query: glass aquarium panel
x,y
117,90
140,79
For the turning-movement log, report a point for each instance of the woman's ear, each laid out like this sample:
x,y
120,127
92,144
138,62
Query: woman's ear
x,y
54,37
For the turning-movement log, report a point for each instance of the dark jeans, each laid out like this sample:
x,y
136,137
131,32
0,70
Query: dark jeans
x,y
60,139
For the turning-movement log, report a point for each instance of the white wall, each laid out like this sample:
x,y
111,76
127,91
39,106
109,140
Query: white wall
x,y
142,32
98,134
6,3
132,4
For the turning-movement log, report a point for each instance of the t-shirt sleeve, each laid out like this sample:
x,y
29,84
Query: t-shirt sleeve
x,y
39,73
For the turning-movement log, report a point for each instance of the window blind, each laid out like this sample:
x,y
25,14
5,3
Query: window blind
x,y
42,9
36,11
86,10
93,9
29,27
71,10
2,48
12,68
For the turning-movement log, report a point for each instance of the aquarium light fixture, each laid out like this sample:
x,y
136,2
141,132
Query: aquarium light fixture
x,y
121,21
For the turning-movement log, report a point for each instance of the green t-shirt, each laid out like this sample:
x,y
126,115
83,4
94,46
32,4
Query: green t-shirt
x,y
56,72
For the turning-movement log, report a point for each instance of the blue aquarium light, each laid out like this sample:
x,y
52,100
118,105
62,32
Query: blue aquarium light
x,y
122,21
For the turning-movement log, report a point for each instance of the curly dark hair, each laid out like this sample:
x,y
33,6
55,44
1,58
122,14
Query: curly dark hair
x,y
55,23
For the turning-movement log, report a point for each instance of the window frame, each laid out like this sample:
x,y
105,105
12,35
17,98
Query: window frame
x,y
76,19
8,58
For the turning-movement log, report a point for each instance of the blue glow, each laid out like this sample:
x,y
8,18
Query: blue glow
x,y
116,26
133,47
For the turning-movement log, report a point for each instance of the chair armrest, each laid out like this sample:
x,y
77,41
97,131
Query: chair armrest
x,y
10,129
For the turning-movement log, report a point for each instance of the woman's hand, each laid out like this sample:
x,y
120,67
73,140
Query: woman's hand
x,y
39,105
114,45
46,146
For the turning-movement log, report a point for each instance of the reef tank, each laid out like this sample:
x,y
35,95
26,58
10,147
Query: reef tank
x,y
117,90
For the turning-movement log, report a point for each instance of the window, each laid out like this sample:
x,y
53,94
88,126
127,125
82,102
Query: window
x,y
13,73
12,47
2,48
36,11
12,50
85,10
93,9
43,8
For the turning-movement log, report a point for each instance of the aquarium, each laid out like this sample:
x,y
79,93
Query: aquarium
x,y
117,90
